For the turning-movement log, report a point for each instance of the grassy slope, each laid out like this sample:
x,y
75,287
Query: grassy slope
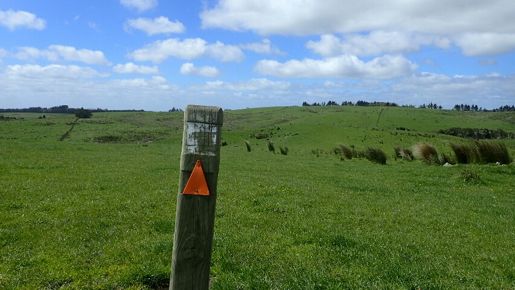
x,y
80,214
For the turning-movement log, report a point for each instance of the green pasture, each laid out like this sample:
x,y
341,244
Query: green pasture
x,y
97,210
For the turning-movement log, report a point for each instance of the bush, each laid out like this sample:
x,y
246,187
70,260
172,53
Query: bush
x,y
284,150
376,155
247,144
271,147
83,114
491,152
465,153
426,153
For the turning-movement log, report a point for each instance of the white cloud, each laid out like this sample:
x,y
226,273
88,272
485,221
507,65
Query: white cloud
x,y
14,19
263,47
34,71
383,67
486,43
205,71
390,26
140,5
3,53
130,67
160,50
374,43
304,17
34,85
188,49
158,25
224,52
63,53
255,84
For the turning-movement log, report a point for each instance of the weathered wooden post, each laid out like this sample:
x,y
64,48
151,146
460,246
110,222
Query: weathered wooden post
x,y
194,222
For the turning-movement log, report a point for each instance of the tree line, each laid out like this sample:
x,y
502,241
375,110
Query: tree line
x,y
434,106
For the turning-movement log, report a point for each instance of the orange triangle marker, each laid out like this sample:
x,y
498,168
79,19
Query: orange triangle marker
x,y
196,184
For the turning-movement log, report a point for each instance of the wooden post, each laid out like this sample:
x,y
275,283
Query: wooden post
x,y
195,216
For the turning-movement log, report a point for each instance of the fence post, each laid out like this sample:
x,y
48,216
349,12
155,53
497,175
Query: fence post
x,y
194,221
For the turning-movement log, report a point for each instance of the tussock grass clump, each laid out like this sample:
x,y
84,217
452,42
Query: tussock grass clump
x,y
247,144
465,153
426,153
271,147
402,153
470,176
482,152
346,151
343,151
492,152
446,159
375,155
283,150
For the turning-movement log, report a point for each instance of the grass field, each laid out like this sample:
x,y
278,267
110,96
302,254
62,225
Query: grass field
x,y
97,209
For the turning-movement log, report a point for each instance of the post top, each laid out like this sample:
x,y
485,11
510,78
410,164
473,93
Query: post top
x,y
204,114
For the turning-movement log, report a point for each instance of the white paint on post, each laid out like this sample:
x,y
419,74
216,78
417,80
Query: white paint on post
x,y
201,131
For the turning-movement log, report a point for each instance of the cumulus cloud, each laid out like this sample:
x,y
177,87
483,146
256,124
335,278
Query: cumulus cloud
x,y
188,49
224,52
390,26
130,68
263,47
140,5
374,43
78,86
486,43
304,17
158,25
62,53
383,67
254,84
32,71
205,71
15,19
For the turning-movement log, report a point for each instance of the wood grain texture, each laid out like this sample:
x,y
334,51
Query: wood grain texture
x,y
194,223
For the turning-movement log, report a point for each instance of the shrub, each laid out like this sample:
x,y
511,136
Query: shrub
x,y
271,147
465,153
426,153
284,150
491,152
83,114
247,144
375,155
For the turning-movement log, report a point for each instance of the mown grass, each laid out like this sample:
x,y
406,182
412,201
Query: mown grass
x,y
84,214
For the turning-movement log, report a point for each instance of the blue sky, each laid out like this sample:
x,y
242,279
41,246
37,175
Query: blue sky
x,y
156,54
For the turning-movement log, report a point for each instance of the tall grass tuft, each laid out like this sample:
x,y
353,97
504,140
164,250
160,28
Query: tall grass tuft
x,y
343,151
465,153
271,147
375,155
402,153
247,144
491,152
283,150
426,153
346,151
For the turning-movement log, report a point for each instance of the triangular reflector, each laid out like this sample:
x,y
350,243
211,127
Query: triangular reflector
x,y
196,184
